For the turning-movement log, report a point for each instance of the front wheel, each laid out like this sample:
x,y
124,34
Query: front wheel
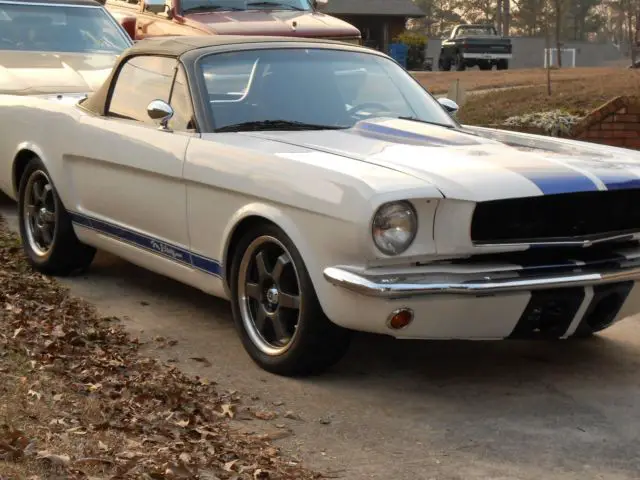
x,y
48,239
276,310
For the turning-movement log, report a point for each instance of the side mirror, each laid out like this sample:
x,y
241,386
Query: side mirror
x,y
154,6
129,25
161,112
320,4
449,105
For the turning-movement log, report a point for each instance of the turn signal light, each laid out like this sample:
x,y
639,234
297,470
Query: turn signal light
x,y
400,318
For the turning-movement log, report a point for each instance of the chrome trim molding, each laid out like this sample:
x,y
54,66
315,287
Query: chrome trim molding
x,y
587,241
391,286
61,3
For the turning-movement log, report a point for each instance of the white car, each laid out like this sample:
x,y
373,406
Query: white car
x,y
322,190
59,49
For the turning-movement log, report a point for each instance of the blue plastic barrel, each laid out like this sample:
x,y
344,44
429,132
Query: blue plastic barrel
x,y
399,52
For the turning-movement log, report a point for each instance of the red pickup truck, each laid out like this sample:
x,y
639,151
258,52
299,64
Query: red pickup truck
x,y
297,18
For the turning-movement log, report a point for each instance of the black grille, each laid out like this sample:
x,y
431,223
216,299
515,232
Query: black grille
x,y
556,217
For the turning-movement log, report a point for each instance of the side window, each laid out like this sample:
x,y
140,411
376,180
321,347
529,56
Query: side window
x,y
140,81
183,117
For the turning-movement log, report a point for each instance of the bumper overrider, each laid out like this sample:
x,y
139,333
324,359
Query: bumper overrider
x,y
513,301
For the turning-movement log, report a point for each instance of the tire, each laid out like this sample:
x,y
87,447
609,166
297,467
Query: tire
x,y
310,347
485,66
58,251
459,64
502,64
444,63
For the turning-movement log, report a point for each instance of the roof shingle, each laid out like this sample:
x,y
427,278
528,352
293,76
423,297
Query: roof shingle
x,y
402,8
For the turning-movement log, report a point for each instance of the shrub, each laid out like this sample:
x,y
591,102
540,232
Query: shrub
x,y
417,44
554,123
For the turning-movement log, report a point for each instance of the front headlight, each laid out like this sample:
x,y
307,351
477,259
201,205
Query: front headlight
x,y
394,228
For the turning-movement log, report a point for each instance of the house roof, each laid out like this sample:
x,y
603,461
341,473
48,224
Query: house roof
x,y
400,8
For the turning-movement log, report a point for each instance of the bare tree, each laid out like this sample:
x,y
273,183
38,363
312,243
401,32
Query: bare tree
x,y
506,17
559,11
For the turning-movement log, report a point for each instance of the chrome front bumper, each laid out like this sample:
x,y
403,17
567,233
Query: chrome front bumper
x,y
403,285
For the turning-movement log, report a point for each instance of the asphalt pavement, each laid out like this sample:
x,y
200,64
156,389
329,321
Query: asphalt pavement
x,y
406,410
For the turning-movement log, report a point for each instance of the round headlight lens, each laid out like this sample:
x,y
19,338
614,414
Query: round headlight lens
x,y
394,227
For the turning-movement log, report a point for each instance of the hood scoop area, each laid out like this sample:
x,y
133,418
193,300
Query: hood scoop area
x,y
414,132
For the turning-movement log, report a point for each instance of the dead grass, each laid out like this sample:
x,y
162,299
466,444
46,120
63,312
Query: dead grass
x,y
439,82
575,95
78,400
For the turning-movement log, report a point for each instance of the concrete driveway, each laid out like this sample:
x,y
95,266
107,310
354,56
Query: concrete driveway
x,y
407,410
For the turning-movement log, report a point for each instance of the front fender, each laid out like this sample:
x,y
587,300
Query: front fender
x,y
21,149
274,215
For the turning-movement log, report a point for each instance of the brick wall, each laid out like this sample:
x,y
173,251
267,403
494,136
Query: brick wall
x,y
615,123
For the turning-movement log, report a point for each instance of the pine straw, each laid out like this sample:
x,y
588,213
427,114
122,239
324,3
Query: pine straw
x,y
79,401
577,97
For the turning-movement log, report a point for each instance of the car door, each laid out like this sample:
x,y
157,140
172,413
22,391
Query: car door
x,y
127,174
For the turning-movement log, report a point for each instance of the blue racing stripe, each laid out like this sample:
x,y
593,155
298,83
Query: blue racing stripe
x,y
613,175
550,177
151,244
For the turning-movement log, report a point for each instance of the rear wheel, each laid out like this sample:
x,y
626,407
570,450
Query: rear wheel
x,y
276,310
503,64
48,238
485,65
459,64
444,63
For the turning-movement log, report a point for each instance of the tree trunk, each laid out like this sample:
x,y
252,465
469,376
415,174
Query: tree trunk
x,y
632,43
499,16
558,5
506,17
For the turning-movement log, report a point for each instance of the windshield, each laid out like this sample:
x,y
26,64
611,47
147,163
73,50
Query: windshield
x,y
59,28
476,31
204,5
313,86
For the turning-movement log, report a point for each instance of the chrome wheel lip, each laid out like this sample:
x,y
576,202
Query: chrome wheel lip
x,y
244,300
33,222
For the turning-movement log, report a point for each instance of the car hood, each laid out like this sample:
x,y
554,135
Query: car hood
x,y
468,165
275,22
32,73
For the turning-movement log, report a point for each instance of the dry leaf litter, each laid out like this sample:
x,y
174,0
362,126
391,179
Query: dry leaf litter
x,y
79,401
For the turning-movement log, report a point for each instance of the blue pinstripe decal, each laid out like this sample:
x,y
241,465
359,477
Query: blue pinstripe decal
x,y
549,177
151,244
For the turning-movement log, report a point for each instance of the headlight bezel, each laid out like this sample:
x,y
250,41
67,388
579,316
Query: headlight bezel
x,y
387,211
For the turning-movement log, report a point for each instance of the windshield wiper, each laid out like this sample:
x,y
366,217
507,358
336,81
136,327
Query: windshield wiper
x,y
274,125
210,8
414,119
274,4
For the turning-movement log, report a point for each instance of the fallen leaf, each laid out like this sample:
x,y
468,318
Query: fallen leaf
x,y
229,465
33,393
60,460
102,446
264,415
201,360
291,415
58,332
17,332
227,410
182,423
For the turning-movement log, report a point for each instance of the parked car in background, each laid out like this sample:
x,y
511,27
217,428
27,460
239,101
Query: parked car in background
x,y
471,45
61,50
292,18
321,189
